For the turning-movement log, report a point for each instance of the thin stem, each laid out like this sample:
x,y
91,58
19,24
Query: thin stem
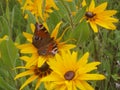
x,y
69,14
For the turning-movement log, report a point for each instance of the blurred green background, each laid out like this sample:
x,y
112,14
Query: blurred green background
x,y
104,46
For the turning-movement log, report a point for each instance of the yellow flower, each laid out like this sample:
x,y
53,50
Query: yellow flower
x,y
36,7
70,73
99,16
39,55
34,72
83,3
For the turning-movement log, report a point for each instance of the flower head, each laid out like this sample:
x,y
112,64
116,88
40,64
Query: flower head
x,y
34,72
36,7
70,73
99,16
42,45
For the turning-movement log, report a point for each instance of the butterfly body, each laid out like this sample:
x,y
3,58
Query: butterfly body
x,y
43,42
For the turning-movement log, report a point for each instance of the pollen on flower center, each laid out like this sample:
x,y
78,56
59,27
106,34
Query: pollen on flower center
x,y
69,75
43,71
89,14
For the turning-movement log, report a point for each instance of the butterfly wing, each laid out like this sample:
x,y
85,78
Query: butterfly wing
x,y
43,42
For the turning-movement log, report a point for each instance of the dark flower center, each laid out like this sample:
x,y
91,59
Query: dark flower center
x,y
43,71
89,14
69,75
44,67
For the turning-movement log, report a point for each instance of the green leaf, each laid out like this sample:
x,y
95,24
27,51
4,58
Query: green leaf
x,y
71,6
4,27
81,32
116,77
62,13
53,20
7,11
79,15
8,53
62,10
5,85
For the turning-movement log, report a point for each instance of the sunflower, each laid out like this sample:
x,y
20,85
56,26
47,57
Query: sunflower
x,y
38,57
36,7
99,16
70,73
34,72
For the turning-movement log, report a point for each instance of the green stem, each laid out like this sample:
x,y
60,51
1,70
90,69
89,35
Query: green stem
x,y
95,47
69,14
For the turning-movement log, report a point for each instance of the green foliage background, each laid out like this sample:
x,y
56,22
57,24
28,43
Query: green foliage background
x,y
103,47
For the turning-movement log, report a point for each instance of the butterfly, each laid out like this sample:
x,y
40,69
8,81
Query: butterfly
x,y
42,40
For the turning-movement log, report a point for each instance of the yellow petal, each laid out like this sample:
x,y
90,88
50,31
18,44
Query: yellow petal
x,y
28,36
29,80
32,61
45,15
27,48
32,27
68,62
40,9
89,67
23,46
70,86
49,85
41,61
91,77
86,85
108,13
112,19
45,25
80,85
84,3
106,24
52,77
106,18
55,31
59,62
38,83
25,58
74,56
49,10
19,67
51,3
29,72
66,46
92,5
94,27
100,8
84,59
